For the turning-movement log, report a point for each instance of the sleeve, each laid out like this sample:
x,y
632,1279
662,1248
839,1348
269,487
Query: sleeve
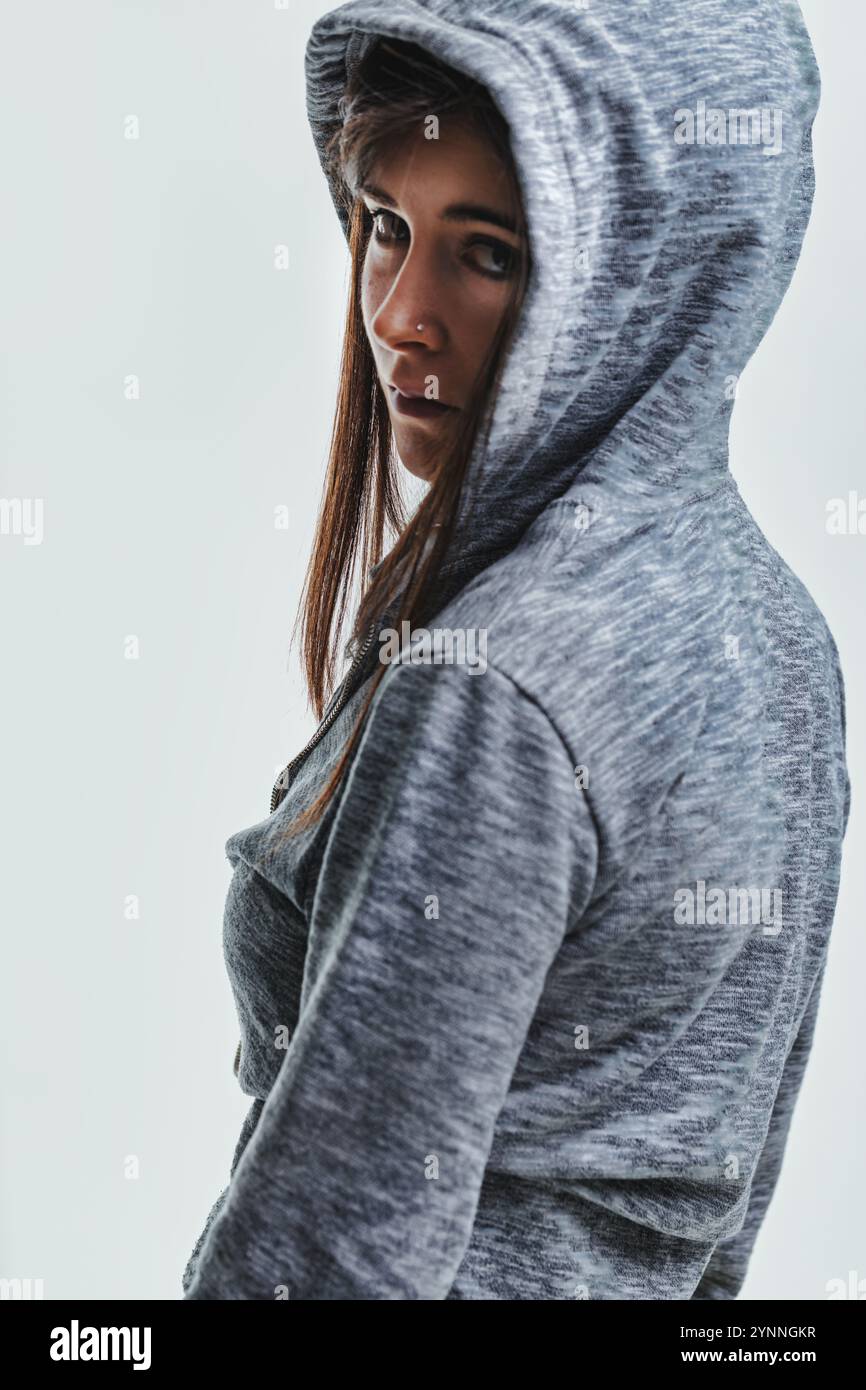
x,y
725,1273
726,1270
249,1124
460,854
844,774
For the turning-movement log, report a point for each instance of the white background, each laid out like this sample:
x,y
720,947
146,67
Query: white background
x,y
155,257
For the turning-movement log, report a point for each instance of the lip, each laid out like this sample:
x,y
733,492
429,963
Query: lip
x,y
417,405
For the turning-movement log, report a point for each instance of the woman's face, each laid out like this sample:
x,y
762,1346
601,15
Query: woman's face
x,y
436,279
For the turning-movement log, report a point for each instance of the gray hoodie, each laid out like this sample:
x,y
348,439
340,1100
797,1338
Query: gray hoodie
x,y
526,1015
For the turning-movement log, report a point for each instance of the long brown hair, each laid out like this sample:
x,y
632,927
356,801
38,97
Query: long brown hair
x,y
390,97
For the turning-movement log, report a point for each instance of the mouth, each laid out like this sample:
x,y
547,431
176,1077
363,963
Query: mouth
x,y
417,406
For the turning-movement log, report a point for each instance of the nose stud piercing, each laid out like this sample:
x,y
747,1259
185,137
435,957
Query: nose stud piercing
x,y
420,327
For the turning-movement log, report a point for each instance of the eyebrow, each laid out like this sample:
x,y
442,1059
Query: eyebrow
x,y
455,212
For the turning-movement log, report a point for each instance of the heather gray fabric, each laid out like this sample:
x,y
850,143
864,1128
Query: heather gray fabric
x,y
489,1055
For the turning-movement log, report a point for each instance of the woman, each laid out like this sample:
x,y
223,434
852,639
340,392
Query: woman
x,y
527,955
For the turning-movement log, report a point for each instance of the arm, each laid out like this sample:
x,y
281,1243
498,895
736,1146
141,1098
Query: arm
x,y
725,1273
249,1124
460,854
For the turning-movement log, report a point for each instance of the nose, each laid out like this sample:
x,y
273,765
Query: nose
x,y
406,318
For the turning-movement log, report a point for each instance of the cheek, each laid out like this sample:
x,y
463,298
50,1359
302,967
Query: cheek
x,y
479,315
374,289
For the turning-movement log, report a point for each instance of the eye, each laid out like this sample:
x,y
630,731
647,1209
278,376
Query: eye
x,y
498,261
492,249
380,235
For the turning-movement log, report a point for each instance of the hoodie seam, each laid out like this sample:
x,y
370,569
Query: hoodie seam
x,y
534,700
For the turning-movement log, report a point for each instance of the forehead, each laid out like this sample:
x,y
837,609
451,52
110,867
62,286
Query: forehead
x,y
431,166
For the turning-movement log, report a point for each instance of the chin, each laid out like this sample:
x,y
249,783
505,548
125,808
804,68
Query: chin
x,y
415,459
417,467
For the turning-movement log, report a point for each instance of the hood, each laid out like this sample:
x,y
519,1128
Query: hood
x,y
665,160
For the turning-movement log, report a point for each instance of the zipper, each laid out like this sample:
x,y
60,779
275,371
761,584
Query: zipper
x,y
338,701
